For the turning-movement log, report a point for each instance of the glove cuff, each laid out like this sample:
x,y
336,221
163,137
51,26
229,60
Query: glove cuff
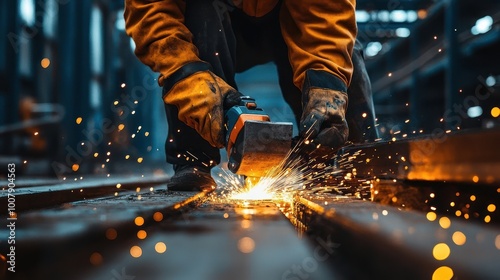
x,y
185,71
322,79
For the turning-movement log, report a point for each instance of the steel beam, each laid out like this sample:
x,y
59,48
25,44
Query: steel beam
x,y
461,157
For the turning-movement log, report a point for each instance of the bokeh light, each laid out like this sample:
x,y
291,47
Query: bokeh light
x,y
111,233
442,273
445,222
160,247
431,216
136,251
491,208
139,221
96,259
142,234
246,245
45,62
158,216
441,251
459,238
495,112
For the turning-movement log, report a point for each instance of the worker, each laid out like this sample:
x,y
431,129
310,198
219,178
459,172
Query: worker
x,y
197,46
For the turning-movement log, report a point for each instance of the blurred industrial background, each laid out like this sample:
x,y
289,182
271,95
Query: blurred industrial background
x,y
83,121
75,99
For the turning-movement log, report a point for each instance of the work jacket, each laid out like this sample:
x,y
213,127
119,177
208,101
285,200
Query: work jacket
x,y
319,34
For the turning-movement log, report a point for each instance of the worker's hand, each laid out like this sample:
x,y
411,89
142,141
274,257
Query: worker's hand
x,y
201,99
323,117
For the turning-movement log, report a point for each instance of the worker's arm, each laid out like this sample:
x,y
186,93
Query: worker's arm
x,y
320,37
162,40
164,43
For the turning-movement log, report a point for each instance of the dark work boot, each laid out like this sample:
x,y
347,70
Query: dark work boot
x,y
191,178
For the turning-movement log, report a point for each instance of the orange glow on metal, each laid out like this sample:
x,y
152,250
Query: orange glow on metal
x,y
258,192
246,224
246,245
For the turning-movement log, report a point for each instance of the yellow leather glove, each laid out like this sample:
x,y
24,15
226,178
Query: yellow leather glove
x,y
323,118
200,100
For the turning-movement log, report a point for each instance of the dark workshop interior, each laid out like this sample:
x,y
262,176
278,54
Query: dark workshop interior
x,y
412,195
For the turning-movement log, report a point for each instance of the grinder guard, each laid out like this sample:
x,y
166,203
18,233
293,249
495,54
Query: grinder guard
x,y
254,143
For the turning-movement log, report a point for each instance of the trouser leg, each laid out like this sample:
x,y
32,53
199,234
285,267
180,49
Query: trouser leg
x,y
210,25
360,113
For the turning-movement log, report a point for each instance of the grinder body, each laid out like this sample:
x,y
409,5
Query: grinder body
x,y
254,143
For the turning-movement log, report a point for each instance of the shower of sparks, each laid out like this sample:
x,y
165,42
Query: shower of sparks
x,y
301,170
